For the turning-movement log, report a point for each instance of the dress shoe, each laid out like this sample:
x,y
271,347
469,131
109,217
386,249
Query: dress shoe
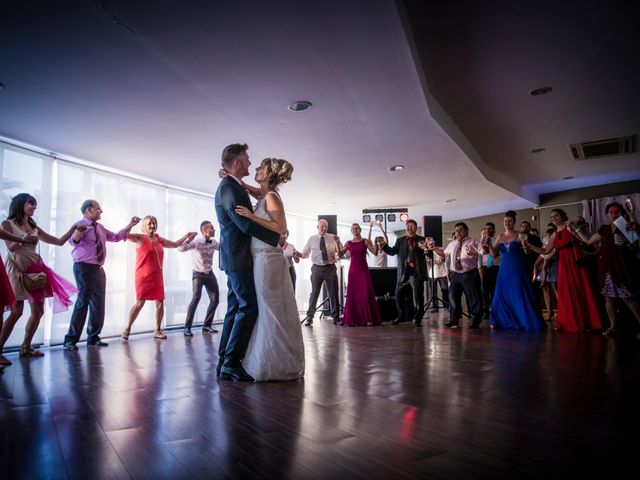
x,y
98,343
308,322
451,324
70,346
336,321
187,332
237,374
395,321
417,323
474,325
209,330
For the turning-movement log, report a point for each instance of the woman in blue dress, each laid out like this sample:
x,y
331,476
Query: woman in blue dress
x,y
514,303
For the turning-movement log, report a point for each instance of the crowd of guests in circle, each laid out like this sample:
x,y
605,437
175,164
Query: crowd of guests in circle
x,y
502,276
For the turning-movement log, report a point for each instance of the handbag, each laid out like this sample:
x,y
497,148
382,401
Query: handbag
x,y
34,281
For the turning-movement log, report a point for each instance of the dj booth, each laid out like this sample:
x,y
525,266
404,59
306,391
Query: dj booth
x,y
384,287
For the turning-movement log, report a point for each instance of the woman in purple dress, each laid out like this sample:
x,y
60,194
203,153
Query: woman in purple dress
x,y
361,307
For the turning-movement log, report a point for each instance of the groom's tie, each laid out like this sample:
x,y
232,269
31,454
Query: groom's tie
x,y
323,250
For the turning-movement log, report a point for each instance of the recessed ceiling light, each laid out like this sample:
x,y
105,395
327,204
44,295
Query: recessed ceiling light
x,y
299,106
1,85
538,150
540,91
451,200
567,178
396,168
331,203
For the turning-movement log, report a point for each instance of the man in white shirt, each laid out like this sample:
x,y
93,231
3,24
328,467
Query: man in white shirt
x,y
465,253
323,249
202,249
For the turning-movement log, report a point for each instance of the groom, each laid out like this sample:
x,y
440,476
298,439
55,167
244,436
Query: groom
x,y
235,260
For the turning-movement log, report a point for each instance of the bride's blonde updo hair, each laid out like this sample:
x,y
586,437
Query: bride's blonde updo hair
x,y
278,171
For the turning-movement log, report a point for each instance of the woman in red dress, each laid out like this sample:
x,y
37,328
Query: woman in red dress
x,y
361,307
149,281
577,308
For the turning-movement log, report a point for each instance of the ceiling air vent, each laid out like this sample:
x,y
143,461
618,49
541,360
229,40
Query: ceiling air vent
x,y
603,148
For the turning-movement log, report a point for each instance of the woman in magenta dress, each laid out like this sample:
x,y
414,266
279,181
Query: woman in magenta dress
x,y
361,307
149,280
577,308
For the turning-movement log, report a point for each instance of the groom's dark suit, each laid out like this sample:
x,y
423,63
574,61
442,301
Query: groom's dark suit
x,y
235,260
412,271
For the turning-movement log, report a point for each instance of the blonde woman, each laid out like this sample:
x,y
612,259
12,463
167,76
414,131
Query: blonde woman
x,y
149,260
276,350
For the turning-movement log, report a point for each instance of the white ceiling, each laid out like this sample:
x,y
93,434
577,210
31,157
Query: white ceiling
x,y
158,88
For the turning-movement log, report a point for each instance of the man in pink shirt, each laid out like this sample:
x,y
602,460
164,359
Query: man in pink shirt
x,y
89,252
465,254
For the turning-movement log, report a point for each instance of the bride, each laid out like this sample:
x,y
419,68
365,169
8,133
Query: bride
x,y
276,350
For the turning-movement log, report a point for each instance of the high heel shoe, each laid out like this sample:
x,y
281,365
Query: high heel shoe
x,y
4,361
125,334
160,334
609,332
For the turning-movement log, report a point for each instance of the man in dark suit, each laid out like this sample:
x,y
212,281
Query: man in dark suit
x,y
235,260
412,271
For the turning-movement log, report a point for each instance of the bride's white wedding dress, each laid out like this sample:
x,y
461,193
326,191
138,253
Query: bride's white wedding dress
x,y
276,349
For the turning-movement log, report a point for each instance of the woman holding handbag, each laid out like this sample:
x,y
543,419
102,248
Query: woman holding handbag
x,y
30,278
149,282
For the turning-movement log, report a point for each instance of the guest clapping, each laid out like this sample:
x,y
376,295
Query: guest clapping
x,y
149,282
380,259
23,262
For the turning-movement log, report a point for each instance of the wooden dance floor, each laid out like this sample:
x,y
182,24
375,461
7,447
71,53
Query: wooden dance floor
x,y
379,402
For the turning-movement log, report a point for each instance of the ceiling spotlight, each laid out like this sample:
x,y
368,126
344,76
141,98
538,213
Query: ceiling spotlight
x,y
540,91
396,168
404,217
379,217
366,218
299,106
538,150
451,200
1,85
391,217
567,178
